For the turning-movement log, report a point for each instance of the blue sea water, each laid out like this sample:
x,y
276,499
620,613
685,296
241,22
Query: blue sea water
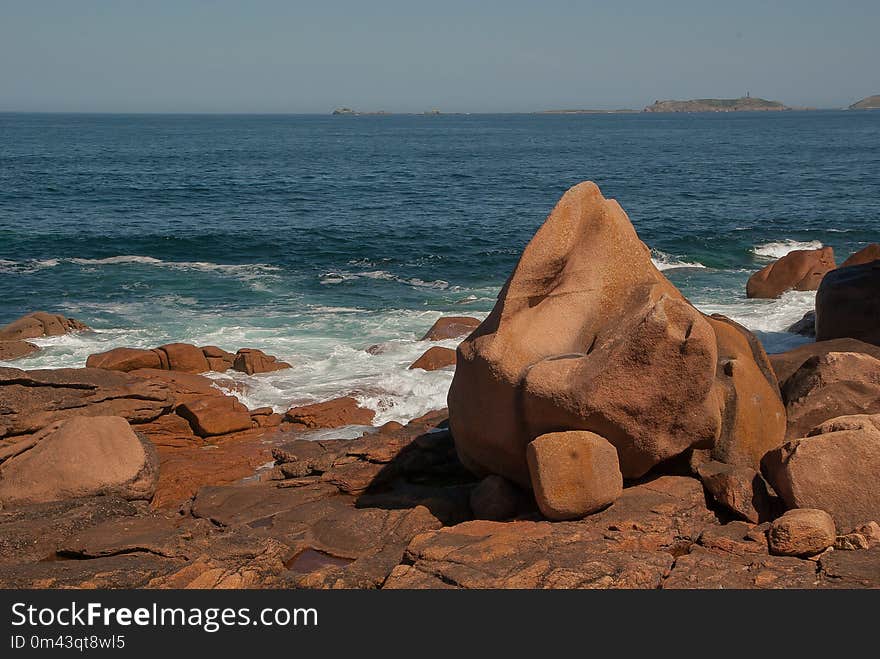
x,y
313,237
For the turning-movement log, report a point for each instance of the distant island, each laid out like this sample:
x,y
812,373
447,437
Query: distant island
x,y
869,103
742,104
358,113
621,111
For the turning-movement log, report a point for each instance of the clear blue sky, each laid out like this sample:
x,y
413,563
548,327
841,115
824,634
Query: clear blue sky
x,y
480,55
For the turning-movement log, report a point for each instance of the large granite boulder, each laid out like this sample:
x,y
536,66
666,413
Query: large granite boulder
x,y
831,385
587,334
786,363
79,457
40,323
848,304
10,350
836,470
33,399
800,270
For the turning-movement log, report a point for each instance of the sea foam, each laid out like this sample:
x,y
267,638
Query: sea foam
x,y
776,250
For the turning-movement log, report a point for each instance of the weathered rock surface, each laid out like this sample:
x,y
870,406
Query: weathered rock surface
x,y
330,414
848,304
800,270
435,358
573,473
10,350
802,532
864,255
851,569
588,335
836,471
831,385
786,363
40,323
79,457
251,361
324,525
34,399
184,387
451,327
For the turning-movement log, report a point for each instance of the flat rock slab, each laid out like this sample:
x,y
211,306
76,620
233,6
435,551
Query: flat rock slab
x,y
34,399
851,569
704,568
631,544
35,532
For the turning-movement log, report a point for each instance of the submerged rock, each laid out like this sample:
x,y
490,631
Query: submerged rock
x,y
588,335
38,324
799,270
251,361
451,327
435,358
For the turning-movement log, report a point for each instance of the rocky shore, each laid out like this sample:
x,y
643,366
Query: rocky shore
x,y
601,432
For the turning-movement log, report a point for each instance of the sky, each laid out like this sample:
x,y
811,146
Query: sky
x,y
412,56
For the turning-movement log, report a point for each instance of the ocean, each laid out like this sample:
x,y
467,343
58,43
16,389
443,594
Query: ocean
x,y
314,237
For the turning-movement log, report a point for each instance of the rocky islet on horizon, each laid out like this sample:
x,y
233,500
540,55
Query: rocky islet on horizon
x,y
596,437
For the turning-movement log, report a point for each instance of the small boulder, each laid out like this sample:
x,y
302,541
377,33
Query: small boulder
x,y
252,361
40,323
215,415
836,471
124,359
451,327
435,358
573,473
864,255
851,541
494,498
10,350
80,457
800,270
184,357
848,304
871,531
802,532
738,488
335,413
